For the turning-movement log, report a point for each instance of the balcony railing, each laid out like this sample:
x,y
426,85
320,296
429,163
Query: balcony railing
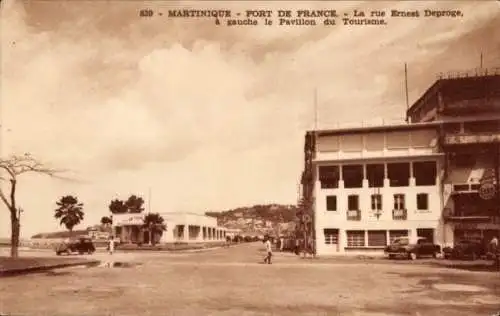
x,y
470,216
476,72
353,215
399,215
471,138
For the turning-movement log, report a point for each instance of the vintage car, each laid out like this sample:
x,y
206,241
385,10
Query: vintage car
x,y
466,249
80,245
412,249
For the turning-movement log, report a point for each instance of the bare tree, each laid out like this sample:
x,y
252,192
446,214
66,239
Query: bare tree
x,y
13,167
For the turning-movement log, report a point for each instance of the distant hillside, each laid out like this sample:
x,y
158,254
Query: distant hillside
x,y
65,233
258,219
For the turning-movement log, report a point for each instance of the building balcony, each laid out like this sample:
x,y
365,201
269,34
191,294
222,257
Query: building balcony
x,y
471,138
476,217
399,215
354,215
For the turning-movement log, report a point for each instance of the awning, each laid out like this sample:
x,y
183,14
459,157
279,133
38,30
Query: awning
x,y
467,175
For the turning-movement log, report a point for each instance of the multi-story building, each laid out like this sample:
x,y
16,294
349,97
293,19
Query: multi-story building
x,y
433,176
468,109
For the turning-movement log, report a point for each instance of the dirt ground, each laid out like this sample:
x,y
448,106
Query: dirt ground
x,y
234,282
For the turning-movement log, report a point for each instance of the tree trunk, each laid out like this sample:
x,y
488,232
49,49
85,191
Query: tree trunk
x,y
14,221
151,240
14,236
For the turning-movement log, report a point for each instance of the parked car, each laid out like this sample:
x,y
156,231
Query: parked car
x,y
404,247
466,249
81,245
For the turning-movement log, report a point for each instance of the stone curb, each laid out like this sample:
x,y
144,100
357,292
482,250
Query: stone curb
x,y
42,268
166,250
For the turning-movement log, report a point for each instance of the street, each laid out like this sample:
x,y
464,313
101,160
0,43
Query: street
x,y
232,281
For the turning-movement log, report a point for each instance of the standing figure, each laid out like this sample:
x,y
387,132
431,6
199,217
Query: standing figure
x,y
495,252
269,250
282,244
111,245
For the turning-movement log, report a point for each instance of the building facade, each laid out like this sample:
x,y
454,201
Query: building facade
x,y
434,176
376,184
181,227
468,108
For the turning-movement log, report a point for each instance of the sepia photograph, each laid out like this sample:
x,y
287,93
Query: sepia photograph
x,y
249,158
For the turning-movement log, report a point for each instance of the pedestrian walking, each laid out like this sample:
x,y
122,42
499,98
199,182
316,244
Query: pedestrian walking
x,y
111,245
495,252
269,250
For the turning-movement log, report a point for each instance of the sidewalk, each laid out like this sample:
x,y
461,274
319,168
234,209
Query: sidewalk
x,y
16,266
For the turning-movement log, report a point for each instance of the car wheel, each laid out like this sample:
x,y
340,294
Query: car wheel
x,y
412,256
58,253
392,256
434,255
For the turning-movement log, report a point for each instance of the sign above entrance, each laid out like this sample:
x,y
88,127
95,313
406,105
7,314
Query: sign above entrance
x,y
128,219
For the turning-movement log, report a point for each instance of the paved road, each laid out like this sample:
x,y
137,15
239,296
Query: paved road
x,y
234,282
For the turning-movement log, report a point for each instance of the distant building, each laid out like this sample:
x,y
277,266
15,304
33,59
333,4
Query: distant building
x,y
181,227
435,176
233,232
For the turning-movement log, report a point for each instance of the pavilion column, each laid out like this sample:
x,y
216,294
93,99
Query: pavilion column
x,y
186,232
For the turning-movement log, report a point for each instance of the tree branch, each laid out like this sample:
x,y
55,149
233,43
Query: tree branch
x,y
16,165
4,199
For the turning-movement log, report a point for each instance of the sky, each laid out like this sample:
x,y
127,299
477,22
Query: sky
x,y
194,116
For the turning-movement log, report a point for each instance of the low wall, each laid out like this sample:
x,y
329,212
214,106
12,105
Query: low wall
x,y
174,246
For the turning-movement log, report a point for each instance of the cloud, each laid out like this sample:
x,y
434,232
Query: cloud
x,y
207,117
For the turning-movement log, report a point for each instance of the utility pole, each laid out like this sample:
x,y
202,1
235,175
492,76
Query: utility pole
x,y
406,92
149,200
315,108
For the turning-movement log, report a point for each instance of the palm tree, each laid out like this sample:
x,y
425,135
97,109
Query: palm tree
x,y
117,207
69,212
134,204
154,223
105,221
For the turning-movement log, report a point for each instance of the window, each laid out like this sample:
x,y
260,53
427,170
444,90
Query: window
x,y
375,174
329,177
427,233
331,203
463,160
399,201
376,202
452,128
377,238
398,174
355,238
396,234
425,172
331,236
352,176
353,202
481,126
422,201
